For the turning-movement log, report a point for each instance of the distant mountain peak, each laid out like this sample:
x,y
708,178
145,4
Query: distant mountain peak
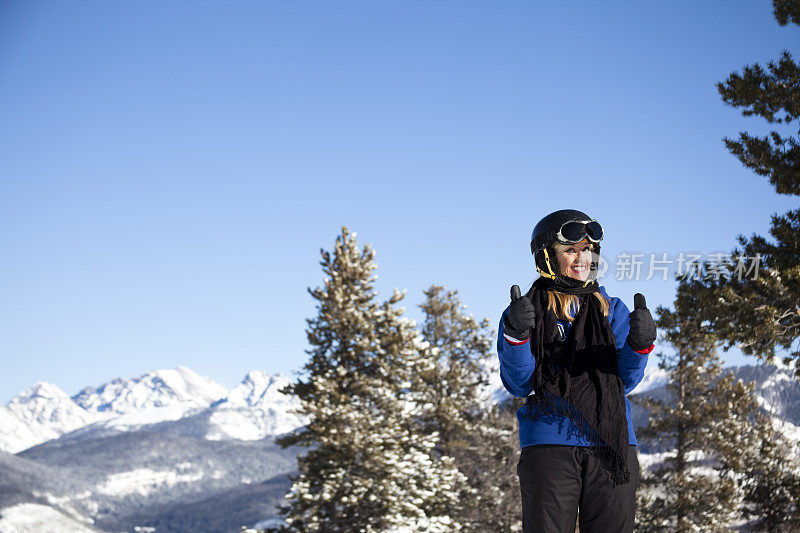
x,y
37,414
40,390
254,409
256,389
156,389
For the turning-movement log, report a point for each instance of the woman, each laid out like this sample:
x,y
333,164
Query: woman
x,y
574,352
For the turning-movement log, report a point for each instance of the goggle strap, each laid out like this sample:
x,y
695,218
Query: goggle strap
x,y
547,262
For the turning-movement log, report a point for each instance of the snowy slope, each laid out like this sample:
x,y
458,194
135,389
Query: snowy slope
x,y
35,518
39,414
128,479
654,377
777,391
494,390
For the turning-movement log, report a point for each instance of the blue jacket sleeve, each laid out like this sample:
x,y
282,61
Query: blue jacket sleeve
x,y
631,363
516,364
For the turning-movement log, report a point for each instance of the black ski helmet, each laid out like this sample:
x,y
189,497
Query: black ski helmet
x,y
545,233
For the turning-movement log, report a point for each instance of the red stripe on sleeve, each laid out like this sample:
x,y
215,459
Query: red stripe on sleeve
x,y
515,342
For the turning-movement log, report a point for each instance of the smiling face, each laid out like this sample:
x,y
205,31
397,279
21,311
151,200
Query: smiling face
x,y
574,260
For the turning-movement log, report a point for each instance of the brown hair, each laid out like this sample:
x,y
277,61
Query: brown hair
x,y
561,303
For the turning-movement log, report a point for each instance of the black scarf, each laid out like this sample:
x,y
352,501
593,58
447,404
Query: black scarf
x,y
588,381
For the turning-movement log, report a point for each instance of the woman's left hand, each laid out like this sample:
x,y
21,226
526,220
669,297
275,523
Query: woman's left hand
x,y
642,332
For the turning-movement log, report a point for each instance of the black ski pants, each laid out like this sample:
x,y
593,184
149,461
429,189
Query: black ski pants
x,y
557,479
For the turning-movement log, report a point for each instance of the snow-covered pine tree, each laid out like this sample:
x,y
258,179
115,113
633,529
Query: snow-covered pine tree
x,y
765,465
686,493
477,433
368,469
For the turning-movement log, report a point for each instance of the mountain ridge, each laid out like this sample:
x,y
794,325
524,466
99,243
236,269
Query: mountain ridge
x,y
251,410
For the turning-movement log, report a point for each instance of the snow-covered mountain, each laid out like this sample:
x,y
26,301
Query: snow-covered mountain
x,y
178,387
252,410
39,414
777,391
157,396
175,451
170,448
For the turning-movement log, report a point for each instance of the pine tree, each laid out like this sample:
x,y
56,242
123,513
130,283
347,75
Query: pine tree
x,y
786,11
757,312
750,297
368,469
774,95
765,466
686,493
477,433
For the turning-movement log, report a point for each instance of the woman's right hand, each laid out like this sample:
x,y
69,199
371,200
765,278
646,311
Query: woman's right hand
x,y
521,316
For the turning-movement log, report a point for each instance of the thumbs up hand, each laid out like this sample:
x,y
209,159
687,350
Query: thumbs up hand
x,y
642,332
521,315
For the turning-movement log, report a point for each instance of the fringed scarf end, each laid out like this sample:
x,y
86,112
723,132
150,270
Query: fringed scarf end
x,y
610,458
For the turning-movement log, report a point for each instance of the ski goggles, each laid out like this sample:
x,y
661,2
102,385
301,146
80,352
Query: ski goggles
x,y
577,230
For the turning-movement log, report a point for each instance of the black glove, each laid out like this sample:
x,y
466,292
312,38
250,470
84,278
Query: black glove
x,y
643,330
520,317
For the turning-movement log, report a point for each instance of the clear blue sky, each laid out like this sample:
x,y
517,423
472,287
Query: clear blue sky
x,y
170,170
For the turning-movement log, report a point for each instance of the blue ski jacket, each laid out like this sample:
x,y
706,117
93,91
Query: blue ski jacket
x,y
516,372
